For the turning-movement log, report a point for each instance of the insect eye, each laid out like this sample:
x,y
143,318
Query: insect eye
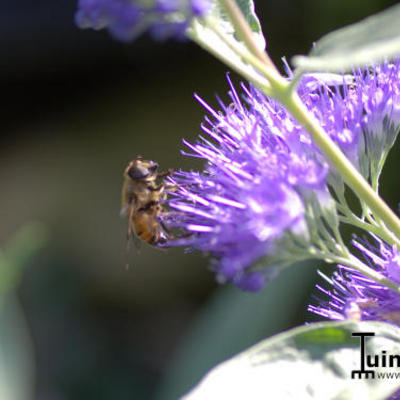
x,y
153,168
138,172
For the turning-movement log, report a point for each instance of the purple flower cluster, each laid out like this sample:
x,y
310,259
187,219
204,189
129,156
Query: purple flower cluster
x,y
260,168
361,112
380,96
265,181
127,19
357,297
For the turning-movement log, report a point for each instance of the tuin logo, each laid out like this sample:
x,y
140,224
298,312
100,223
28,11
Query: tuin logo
x,y
381,360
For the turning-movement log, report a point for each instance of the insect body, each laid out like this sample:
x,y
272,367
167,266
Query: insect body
x,y
142,196
148,227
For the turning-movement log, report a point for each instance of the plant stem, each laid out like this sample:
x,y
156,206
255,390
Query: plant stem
x,y
256,79
349,260
246,56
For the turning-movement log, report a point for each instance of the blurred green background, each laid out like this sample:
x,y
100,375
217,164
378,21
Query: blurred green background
x,y
77,106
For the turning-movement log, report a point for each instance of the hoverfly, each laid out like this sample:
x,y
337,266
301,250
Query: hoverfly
x,y
142,197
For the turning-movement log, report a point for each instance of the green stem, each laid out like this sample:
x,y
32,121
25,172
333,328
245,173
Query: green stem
x,y
339,238
249,58
350,261
376,172
251,76
343,258
348,217
386,236
271,74
366,214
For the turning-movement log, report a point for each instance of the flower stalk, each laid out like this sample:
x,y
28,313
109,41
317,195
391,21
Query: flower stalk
x,y
259,80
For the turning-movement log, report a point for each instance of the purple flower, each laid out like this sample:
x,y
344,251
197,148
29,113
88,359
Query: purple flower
x,y
200,7
354,296
127,19
262,173
361,112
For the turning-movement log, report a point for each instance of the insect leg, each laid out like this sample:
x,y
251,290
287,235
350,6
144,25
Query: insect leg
x,y
164,174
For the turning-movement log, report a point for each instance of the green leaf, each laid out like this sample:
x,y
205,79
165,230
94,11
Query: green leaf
x,y
220,16
247,7
371,40
204,32
310,362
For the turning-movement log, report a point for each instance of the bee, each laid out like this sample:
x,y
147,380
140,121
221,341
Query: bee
x,y
142,197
